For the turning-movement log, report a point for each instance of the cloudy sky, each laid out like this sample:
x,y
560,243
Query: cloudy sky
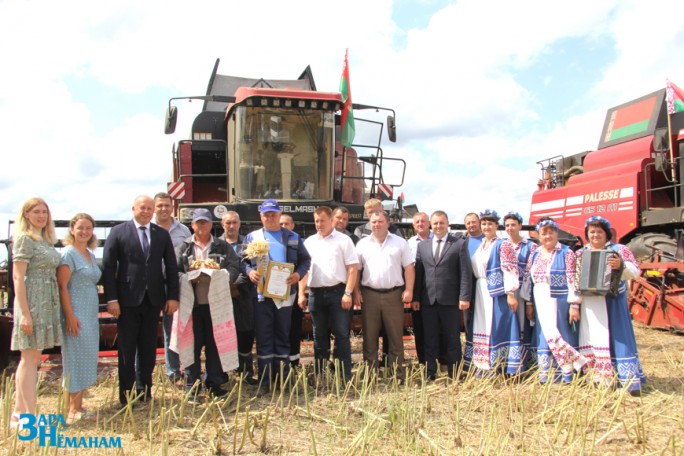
x,y
482,89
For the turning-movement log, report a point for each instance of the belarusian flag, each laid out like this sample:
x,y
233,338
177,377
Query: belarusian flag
x,y
347,130
675,98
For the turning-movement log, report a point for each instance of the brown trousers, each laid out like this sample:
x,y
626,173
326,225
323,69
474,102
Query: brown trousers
x,y
383,310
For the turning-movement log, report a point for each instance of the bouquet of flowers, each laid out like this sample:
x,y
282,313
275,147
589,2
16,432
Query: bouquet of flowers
x,y
258,249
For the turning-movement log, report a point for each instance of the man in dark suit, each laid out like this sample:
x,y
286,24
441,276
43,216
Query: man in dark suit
x,y
442,289
140,279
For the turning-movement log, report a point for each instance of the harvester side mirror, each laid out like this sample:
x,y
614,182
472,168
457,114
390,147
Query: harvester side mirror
x,y
170,120
391,129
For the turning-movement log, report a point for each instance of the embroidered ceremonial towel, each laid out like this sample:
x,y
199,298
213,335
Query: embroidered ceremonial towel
x,y
223,322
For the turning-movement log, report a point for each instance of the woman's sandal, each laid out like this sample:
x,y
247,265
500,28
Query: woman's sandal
x,y
82,414
16,422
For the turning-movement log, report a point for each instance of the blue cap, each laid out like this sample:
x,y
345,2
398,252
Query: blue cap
x,y
201,214
270,205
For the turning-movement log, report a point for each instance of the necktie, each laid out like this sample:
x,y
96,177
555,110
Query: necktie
x,y
145,242
437,250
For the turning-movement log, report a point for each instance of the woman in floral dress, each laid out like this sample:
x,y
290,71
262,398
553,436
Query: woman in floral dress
x,y
36,301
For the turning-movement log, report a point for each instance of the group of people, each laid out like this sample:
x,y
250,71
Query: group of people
x,y
520,302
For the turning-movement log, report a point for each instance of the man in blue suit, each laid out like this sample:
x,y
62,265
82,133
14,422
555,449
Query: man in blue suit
x,y
442,289
140,280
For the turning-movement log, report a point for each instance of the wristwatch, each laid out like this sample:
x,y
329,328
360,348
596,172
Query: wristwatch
x,y
347,293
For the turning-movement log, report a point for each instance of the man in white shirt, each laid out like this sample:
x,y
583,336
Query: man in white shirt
x,y
386,285
331,281
421,224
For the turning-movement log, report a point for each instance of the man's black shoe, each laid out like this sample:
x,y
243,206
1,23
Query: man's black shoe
x,y
218,392
250,380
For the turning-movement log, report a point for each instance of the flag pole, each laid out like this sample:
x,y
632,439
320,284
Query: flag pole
x,y
669,142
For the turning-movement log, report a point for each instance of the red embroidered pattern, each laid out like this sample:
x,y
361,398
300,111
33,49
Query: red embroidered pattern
x,y
539,270
566,356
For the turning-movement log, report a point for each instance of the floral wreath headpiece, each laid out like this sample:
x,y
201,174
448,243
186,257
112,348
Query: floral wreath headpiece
x,y
547,222
517,216
489,213
598,219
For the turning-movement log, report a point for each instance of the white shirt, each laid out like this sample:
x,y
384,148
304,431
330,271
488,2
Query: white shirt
x,y
440,244
141,233
383,264
414,240
330,256
199,252
202,287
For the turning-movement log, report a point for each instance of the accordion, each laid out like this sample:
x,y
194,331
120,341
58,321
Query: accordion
x,y
595,274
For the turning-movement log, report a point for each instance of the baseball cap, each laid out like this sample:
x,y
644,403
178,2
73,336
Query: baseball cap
x,y
201,214
270,205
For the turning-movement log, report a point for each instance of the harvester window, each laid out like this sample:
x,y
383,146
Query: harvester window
x,y
284,153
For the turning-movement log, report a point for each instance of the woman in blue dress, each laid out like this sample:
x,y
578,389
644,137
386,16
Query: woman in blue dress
x,y
493,344
36,299
549,283
77,277
523,249
606,335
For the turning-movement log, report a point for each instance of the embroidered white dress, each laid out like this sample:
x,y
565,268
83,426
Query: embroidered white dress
x,y
606,336
495,341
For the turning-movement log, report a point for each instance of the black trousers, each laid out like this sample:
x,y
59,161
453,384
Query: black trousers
x,y
203,330
137,332
245,340
445,320
418,334
296,334
419,339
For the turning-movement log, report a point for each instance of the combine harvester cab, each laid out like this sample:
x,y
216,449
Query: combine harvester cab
x,y
634,179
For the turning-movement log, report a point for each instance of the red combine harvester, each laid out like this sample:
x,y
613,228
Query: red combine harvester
x,y
635,179
257,139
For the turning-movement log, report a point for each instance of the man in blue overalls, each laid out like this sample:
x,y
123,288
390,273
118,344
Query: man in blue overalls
x,y
272,319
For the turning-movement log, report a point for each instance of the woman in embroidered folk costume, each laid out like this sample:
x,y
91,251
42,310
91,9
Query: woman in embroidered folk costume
x,y
494,341
606,335
523,249
549,284
36,301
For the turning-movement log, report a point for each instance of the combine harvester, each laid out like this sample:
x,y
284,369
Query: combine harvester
x,y
635,179
257,139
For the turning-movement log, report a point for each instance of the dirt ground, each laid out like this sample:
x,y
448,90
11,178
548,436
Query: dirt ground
x,y
375,415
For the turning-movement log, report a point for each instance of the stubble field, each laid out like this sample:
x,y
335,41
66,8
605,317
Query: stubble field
x,y
372,415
